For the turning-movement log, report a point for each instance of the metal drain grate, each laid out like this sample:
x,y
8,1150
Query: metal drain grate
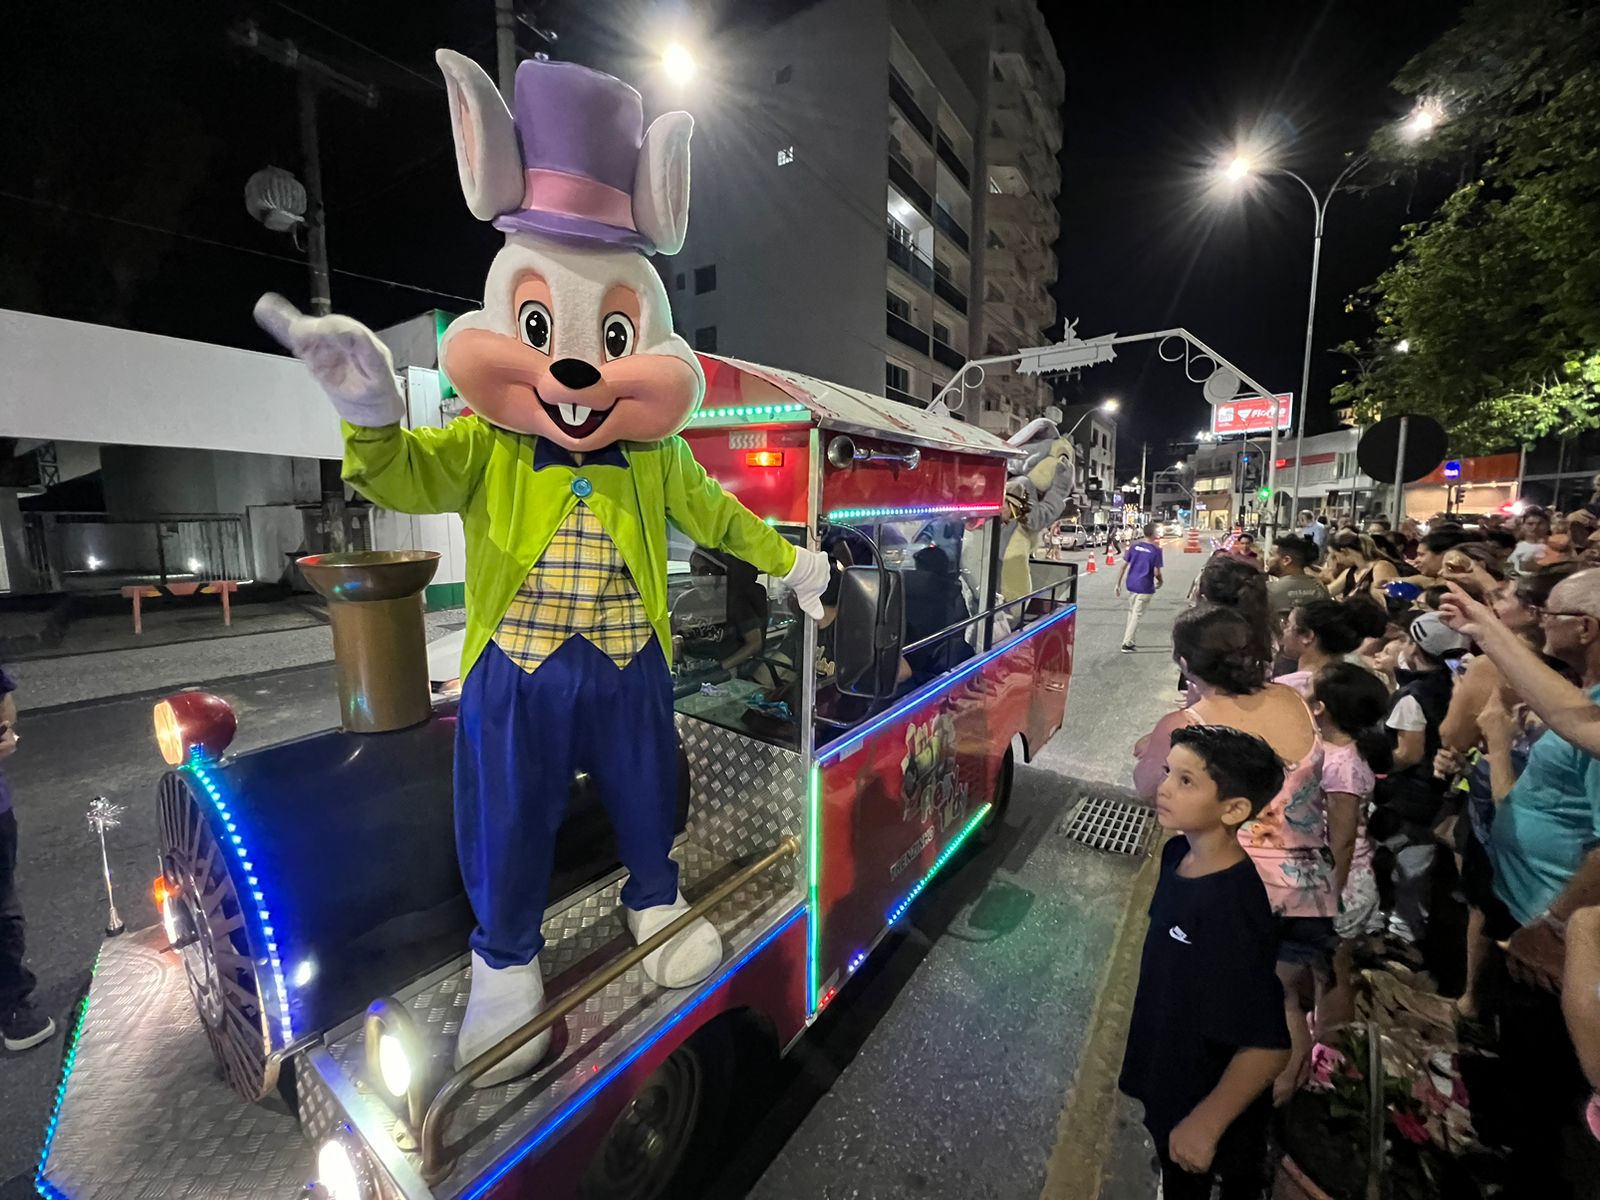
x,y
1114,825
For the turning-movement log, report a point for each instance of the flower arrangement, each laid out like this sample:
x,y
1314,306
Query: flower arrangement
x,y
1428,1145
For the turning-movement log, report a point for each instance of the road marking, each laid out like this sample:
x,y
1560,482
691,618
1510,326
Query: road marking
x,y
1083,1136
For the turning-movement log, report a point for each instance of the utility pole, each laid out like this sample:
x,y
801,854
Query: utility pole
x,y
1144,455
505,44
314,76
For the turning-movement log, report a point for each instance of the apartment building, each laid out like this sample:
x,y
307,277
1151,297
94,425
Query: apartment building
x,y
1095,439
862,249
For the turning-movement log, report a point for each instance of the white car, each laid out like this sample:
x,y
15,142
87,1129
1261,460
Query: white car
x,y
1070,536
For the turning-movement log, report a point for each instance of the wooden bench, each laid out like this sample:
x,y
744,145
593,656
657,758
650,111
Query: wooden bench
x,y
138,593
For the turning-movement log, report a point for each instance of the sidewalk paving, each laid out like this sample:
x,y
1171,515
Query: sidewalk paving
x,y
46,683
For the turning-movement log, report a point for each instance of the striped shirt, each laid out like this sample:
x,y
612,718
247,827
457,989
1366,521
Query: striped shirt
x,y
580,587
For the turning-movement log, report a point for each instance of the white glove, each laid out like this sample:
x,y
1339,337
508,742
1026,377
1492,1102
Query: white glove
x,y
808,579
345,357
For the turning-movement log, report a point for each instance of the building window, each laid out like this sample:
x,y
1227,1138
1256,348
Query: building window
x,y
706,339
994,188
942,332
785,156
900,307
705,279
783,74
897,376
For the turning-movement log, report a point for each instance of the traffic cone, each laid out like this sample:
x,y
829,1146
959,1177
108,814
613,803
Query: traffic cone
x,y
1111,560
1089,567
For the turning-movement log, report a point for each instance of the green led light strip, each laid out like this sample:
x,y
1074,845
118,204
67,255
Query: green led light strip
x,y
749,414
899,910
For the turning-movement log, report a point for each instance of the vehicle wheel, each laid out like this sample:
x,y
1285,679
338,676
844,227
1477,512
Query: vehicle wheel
x,y
662,1144
1002,800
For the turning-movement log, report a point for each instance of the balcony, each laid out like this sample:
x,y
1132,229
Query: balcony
x,y
950,294
902,256
950,227
895,393
949,157
907,334
905,183
948,355
900,93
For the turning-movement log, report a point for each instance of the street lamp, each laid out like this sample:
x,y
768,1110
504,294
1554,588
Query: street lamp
x,y
1424,119
1109,405
678,63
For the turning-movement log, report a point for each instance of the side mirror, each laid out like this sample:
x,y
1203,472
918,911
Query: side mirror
x,y
867,649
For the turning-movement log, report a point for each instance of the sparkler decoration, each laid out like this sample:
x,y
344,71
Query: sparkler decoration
x,y
104,815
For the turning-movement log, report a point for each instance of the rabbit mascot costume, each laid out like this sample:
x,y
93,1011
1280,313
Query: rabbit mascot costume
x,y
565,475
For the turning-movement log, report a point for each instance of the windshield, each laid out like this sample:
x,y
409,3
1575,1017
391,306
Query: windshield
x,y
736,639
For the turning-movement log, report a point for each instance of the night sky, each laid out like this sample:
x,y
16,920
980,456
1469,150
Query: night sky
x,y
136,126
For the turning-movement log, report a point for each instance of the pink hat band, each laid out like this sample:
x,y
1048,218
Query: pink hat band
x,y
578,196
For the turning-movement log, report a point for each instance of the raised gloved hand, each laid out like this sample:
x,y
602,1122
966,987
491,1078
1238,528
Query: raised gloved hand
x,y
354,368
808,579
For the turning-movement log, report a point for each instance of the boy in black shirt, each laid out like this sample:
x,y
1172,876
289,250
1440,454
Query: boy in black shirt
x,y
1208,1035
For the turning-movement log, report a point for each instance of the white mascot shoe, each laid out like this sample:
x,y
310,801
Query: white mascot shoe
x,y
687,958
502,999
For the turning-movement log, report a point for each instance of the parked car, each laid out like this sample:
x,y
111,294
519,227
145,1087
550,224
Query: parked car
x,y
1070,536
1097,535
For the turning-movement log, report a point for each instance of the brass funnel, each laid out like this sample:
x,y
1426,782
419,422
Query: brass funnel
x,y
375,603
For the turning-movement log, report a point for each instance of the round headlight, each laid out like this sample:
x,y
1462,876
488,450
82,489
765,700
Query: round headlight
x,y
192,723
394,1065
342,1169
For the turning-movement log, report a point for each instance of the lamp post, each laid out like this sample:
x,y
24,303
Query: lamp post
x,y
1424,119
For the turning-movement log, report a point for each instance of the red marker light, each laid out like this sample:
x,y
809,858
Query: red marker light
x,y
764,458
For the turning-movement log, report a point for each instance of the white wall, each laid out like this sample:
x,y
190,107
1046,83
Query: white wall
x,y
69,380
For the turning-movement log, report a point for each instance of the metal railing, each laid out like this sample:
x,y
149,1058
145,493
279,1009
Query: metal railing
x,y
900,92
909,261
950,294
902,330
1036,604
949,157
946,223
910,188
948,355
436,1161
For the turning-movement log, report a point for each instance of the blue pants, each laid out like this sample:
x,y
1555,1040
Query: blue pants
x,y
520,739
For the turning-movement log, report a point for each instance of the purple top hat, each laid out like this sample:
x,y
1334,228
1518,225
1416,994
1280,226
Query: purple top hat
x,y
580,132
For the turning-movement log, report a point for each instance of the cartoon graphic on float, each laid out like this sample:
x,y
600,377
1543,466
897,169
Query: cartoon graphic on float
x,y
564,474
930,783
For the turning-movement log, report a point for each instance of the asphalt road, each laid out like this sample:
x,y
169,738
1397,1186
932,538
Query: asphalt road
x,y
941,1069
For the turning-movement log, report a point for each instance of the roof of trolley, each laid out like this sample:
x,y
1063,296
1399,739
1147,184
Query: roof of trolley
x,y
739,393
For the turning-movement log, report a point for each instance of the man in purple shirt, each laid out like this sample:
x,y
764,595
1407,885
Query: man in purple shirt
x,y
1141,570
21,1026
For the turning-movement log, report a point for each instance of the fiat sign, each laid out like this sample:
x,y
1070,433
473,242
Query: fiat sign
x,y
1251,415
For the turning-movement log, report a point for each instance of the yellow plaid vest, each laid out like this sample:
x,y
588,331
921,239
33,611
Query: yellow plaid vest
x,y
579,588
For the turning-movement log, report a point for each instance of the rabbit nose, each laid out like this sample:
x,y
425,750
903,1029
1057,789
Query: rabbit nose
x,y
574,373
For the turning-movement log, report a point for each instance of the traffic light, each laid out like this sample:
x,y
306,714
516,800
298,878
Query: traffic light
x,y
1263,493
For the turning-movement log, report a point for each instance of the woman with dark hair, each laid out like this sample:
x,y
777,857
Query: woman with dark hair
x,y
1357,566
1220,652
1233,583
1324,632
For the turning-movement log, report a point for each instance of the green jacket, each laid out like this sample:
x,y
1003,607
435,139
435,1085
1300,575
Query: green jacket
x,y
510,511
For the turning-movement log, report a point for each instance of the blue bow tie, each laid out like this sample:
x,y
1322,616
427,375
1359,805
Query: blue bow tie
x,y
548,454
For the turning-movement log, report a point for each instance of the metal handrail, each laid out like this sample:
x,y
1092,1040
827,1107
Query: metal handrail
x,y
1033,595
435,1166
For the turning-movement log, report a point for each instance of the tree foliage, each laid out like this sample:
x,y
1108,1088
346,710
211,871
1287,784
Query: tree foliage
x,y
1497,294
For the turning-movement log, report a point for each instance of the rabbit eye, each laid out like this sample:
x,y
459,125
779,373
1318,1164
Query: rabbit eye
x,y
534,322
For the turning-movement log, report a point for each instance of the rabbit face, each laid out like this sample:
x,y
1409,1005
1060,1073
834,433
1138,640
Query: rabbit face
x,y
574,345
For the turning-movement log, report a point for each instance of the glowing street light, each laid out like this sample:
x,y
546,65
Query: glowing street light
x,y
1110,404
1403,346
1422,122
678,63
1236,171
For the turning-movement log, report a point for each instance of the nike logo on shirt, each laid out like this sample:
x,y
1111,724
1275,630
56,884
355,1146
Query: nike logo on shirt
x,y
1177,934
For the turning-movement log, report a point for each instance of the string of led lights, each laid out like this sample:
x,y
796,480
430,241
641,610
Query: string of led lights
x,y
269,937
916,510
945,856
813,874
43,1186
752,414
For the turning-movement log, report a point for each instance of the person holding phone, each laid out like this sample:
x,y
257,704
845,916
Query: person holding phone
x,y
22,1027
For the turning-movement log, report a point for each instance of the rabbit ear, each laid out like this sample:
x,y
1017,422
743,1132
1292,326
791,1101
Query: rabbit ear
x,y
487,154
661,182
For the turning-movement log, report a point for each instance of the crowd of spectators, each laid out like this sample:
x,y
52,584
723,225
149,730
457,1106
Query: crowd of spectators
x,y
1429,699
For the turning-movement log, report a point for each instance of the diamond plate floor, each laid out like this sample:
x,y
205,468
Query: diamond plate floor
x,y
146,1115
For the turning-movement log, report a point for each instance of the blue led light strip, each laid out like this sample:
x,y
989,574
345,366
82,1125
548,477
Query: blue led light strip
x,y
43,1186
936,688
918,510
235,842
566,1112
813,874
945,856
